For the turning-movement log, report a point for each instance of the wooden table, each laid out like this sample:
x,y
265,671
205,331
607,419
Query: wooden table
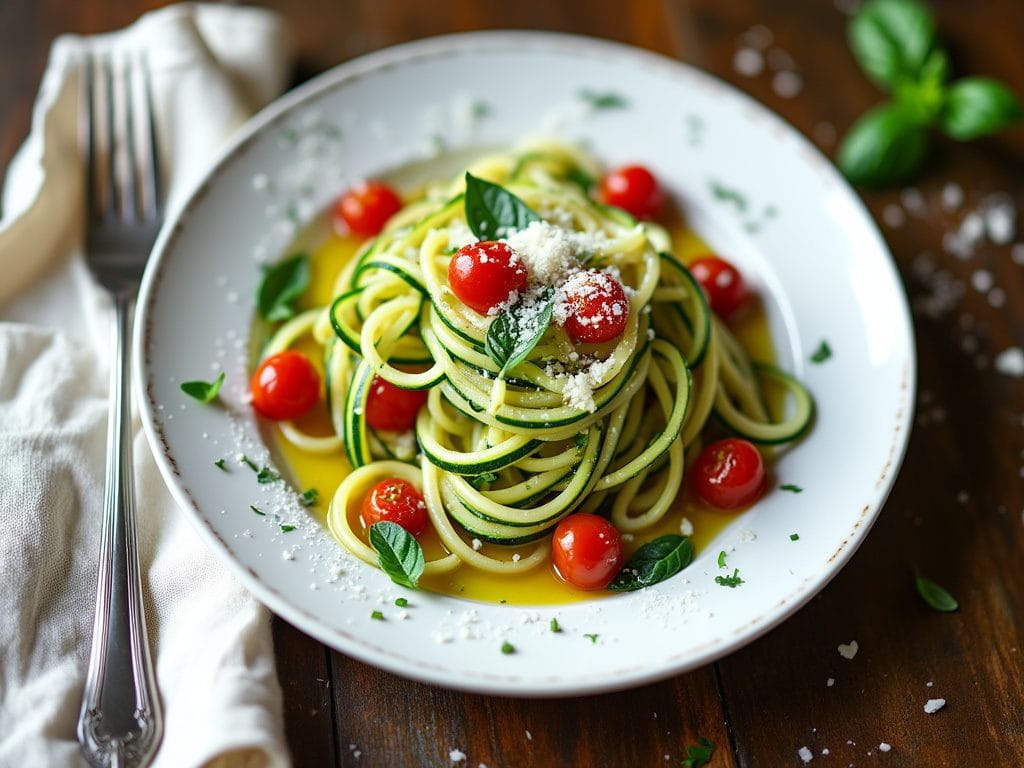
x,y
955,511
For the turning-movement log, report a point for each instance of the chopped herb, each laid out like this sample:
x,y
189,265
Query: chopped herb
x,y
507,648
309,497
401,602
591,637
514,333
721,559
257,510
282,283
937,598
219,464
581,439
480,109
729,195
603,100
699,754
794,537
492,211
654,562
822,353
479,481
555,626
730,581
377,615
266,475
791,488
203,391
286,528
398,553
248,462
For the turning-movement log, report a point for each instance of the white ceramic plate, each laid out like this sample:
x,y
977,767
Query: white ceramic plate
x,y
751,185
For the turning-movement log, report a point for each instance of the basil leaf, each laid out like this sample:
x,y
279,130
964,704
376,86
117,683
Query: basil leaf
x,y
883,147
935,596
655,561
892,40
493,211
398,553
203,391
282,284
978,106
514,333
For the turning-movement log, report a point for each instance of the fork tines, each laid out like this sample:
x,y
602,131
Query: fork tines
x,y
117,135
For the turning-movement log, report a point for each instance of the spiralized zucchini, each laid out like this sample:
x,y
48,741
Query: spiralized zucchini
x,y
502,459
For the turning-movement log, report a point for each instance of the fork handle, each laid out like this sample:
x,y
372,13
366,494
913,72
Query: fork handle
x,y
120,723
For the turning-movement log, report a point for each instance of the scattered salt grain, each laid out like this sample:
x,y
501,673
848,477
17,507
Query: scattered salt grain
x,y
758,36
1010,362
830,682
848,651
952,197
1000,216
997,297
747,535
477,544
893,216
529,736
1017,253
824,133
913,201
457,756
934,705
748,62
686,527
929,684
805,754
982,280
883,747
787,84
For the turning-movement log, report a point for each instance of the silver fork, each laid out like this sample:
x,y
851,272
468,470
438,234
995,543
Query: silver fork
x,y
120,723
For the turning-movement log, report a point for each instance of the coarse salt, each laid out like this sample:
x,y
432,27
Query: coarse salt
x,y
934,705
805,754
848,651
748,62
457,756
686,527
883,747
1010,362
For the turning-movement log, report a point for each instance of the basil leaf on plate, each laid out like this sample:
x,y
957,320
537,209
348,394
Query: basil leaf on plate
x,y
937,598
398,553
978,106
203,391
892,40
282,284
492,211
655,561
883,147
514,333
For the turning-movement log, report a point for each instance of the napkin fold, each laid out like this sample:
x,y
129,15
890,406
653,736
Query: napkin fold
x,y
212,66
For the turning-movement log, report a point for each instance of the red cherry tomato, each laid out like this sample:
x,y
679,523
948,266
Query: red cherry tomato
x,y
586,550
392,408
634,189
366,208
285,386
725,288
397,501
729,474
597,308
484,274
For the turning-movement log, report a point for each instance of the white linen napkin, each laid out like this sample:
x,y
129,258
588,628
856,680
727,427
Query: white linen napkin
x,y
212,66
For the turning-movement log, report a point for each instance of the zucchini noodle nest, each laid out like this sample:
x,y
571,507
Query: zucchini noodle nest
x,y
573,427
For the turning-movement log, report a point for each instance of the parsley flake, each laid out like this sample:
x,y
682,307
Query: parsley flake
x,y
257,510
555,626
248,462
721,559
699,754
401,602
791,488
266,475
309,497
591,637
507,648
794,537
822,353
377,615
730,581
219,464
286,528
203,391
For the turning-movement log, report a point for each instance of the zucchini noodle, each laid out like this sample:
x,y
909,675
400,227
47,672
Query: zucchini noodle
x,y
501,456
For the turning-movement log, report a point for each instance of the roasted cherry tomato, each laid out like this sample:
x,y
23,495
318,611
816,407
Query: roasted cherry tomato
x,y
366,208
587,550
392,408
596,307
723,285
285,386
484,274
634,189
729,474
396,501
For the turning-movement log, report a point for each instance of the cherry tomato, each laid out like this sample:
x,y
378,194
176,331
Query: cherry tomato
x,y
397,501
366,208
729,474
723,285
587,550
597,308
392,408
484,274
634,189
285,386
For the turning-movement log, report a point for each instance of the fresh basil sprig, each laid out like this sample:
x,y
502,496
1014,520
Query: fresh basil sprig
x,y
282,284
514,333
492,211
398,553
655,561
896,45
203,391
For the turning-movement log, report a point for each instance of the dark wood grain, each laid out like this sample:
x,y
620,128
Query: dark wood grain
x,y
955,512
